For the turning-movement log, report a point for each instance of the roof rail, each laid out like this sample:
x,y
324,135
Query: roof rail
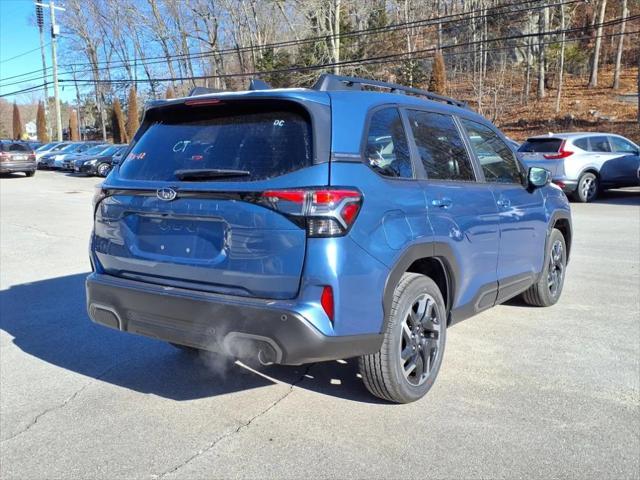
x,y
329,82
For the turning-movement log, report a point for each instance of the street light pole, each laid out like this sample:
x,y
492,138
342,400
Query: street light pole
x,y
40,22
56,94
55,30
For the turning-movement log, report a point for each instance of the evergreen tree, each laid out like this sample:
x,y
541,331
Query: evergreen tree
x,y
17,123
74,135
41,124
132,114
438,82
117,123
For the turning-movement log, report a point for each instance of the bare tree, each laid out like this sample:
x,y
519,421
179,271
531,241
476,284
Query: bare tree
x,y
616,72
543,26
593,79
561,65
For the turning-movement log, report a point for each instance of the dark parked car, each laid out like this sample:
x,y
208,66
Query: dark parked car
x,y
303,225
92,151
98,163
17,157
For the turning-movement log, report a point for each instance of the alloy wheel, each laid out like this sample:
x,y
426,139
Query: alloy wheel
x,y
420,343
556,268
588,188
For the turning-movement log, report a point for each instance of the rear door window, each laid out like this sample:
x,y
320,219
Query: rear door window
x,y
599,144
541,145
264,142
440,147
387,149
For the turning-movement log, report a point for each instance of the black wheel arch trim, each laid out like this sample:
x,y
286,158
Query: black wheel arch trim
x,y
439,251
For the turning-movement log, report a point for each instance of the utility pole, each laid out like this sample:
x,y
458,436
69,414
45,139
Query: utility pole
x,y
55,30
40,22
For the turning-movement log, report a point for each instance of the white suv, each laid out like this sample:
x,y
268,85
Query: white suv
x,y
583,164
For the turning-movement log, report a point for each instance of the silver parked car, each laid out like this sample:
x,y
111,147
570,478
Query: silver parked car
x,y
583,164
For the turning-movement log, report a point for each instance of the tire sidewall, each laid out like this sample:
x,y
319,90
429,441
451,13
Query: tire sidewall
x,y
417,286
99,168
583,177
555,236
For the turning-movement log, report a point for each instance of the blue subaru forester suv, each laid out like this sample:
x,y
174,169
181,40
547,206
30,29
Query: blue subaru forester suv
x,y
352,219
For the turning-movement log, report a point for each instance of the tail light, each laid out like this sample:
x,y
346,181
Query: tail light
x,y
562,153
324,213
32,156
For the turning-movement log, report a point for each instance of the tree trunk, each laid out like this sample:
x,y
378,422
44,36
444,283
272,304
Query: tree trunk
x,y
543,26
561,66
616,72
593,80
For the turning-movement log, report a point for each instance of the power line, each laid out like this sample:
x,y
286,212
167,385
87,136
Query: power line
x,y
377,60
349,62
23,54
365,61
446,19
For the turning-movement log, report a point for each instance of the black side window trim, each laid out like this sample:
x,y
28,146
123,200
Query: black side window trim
x,y
476,160
415,155
365,139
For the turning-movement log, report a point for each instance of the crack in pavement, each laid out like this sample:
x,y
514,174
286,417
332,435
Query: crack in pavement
x,y
61,405
43,232
242,426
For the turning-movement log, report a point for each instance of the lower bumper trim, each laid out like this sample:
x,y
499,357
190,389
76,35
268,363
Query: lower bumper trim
x,y
241,328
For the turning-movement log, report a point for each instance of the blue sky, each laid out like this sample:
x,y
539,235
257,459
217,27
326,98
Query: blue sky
x,y
19,34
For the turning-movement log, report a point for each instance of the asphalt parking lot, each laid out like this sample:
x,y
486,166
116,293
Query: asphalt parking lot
x,y
523,392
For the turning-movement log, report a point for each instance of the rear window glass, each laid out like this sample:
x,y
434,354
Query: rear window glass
x,y
545,145
266,142
15,147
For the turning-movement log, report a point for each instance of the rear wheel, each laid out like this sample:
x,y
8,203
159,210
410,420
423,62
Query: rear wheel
x,y
29,174
103,169
588,186
548,289
408,362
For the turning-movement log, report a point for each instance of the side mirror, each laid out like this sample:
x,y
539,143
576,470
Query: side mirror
x,y
538,177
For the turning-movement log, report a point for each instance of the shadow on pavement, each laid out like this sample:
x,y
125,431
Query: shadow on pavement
x,y
623,196
48,319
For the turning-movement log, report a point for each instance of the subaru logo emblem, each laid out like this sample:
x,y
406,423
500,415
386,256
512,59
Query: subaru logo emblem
x,y
166,194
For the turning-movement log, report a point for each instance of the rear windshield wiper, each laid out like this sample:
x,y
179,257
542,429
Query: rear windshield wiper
x,y
209,173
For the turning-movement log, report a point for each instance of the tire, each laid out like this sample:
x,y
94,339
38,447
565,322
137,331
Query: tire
x,y
103,169
30,174
548,289
406,342
588,187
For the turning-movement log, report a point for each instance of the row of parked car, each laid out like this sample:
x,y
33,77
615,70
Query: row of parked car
x,y
89,158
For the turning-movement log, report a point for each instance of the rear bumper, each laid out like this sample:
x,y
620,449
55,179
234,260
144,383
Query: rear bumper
x,y
8,167
241,327
567,186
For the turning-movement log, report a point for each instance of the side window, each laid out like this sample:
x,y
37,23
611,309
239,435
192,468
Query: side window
x,y
440,147
387,148
582,143
599,144
622,145
496,158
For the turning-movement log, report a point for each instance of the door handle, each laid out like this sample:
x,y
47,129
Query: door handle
x,y
443,202
503,203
